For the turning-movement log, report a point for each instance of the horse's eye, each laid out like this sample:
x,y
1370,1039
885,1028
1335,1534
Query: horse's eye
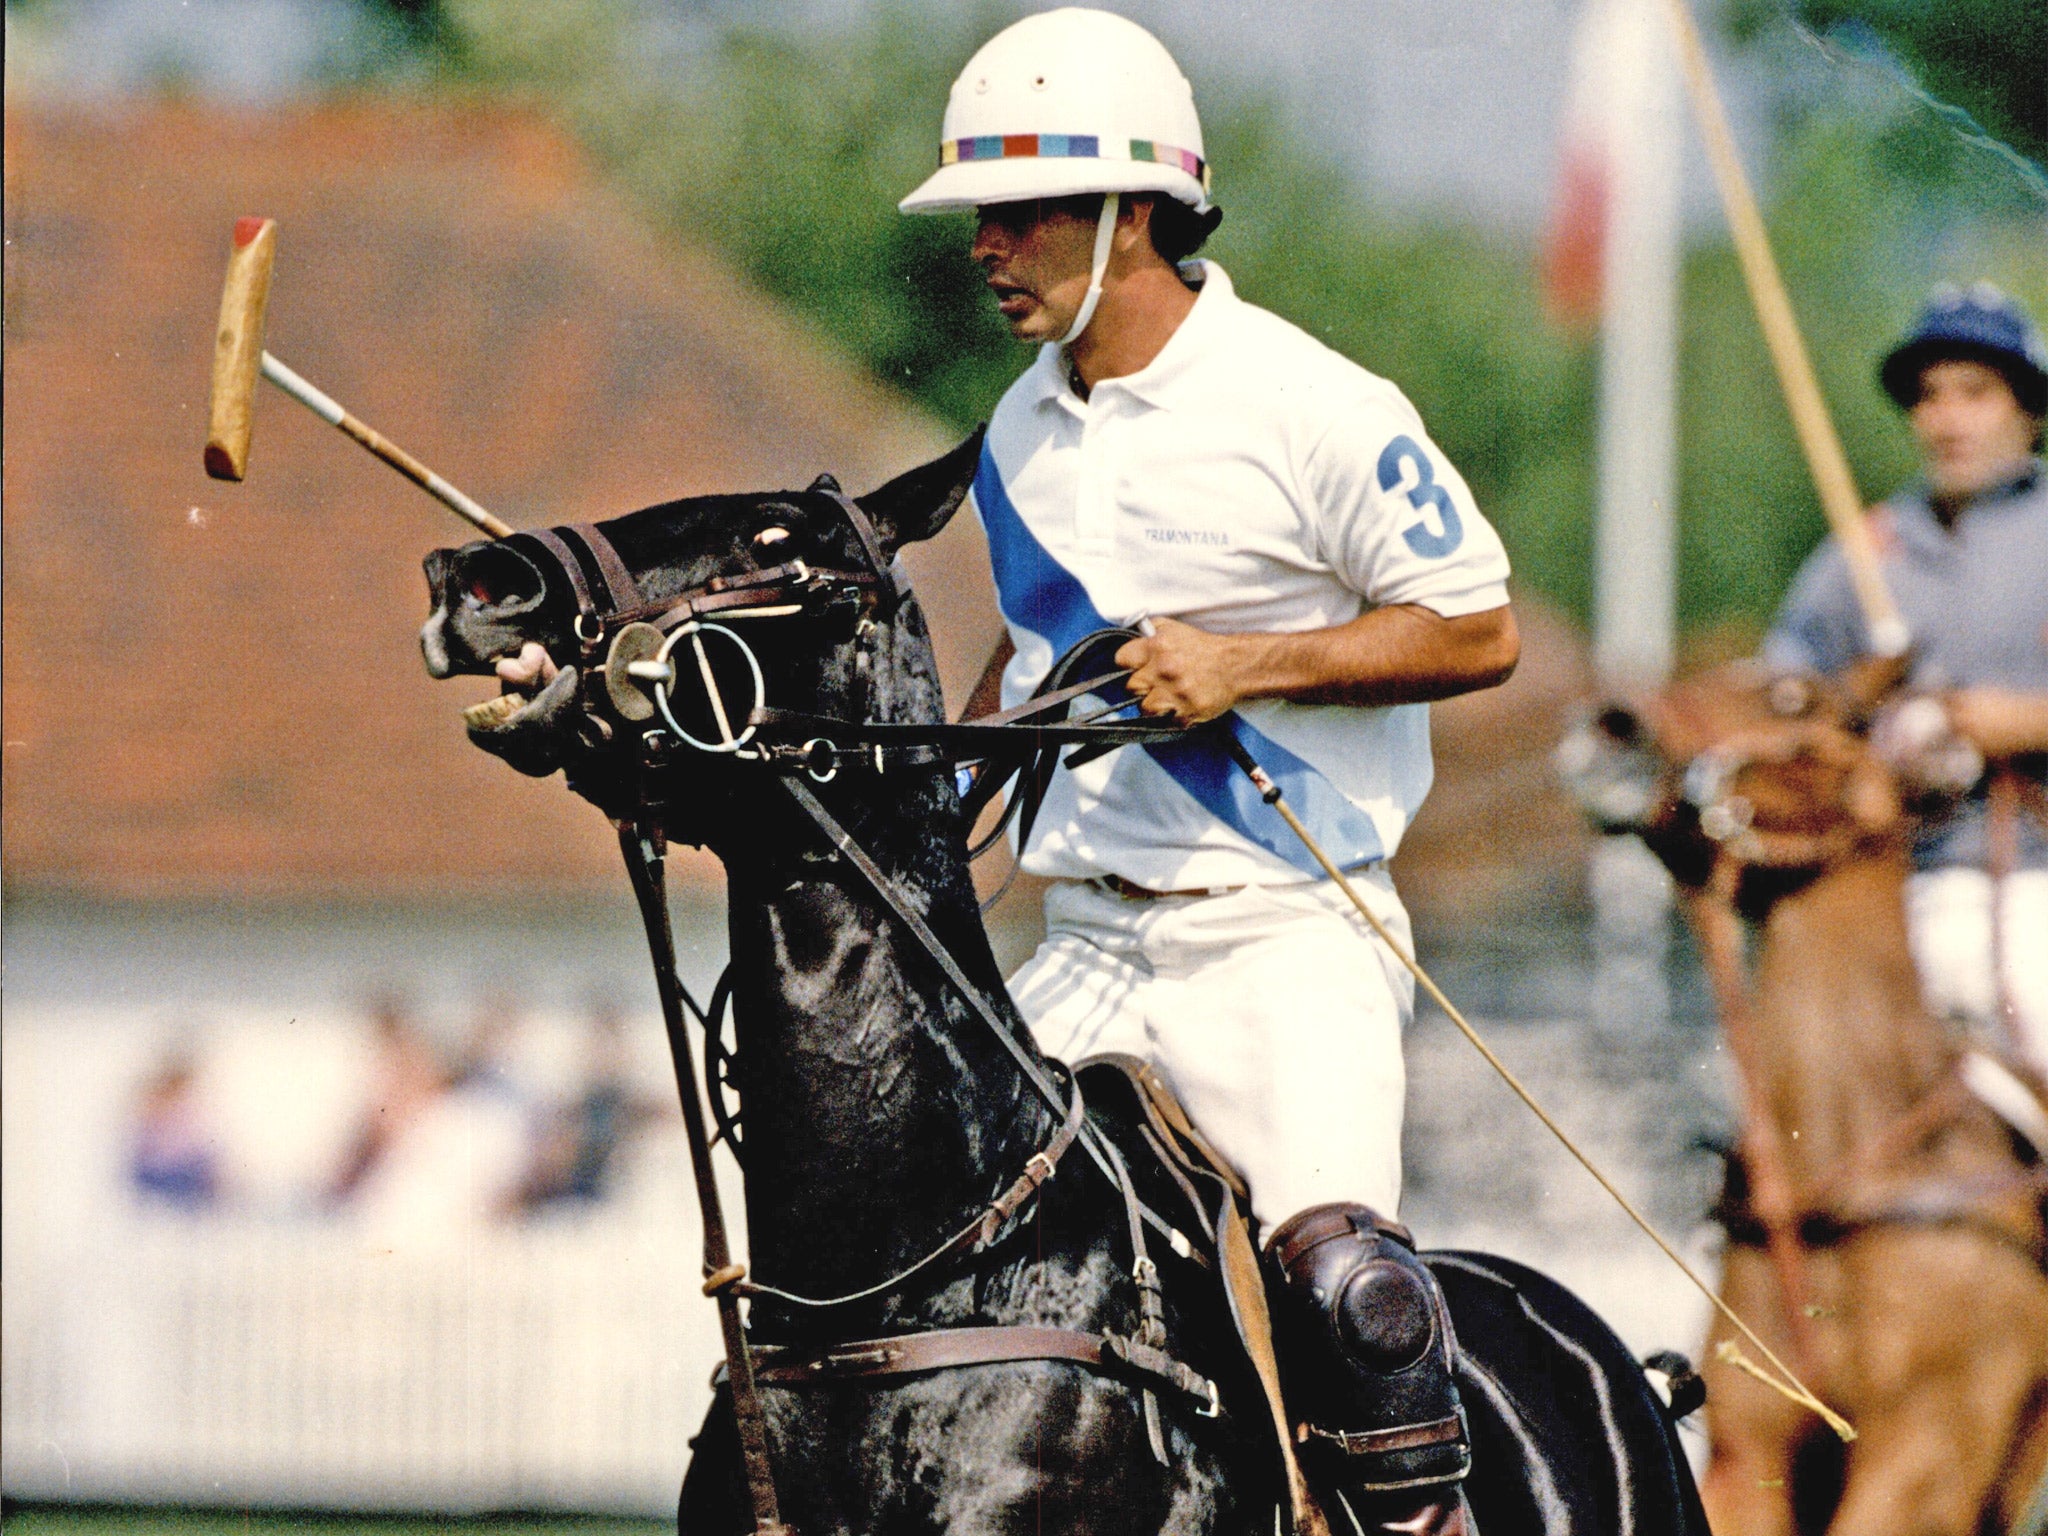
x,y
770,536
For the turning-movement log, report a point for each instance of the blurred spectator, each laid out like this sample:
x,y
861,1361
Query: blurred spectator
x,y
406,1080
581,1144
173,1159
455,1162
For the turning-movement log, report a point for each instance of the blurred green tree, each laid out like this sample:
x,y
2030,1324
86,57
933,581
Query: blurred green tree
x,y
1988,57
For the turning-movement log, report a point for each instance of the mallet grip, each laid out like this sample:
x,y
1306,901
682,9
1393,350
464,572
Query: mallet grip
x,y
329,410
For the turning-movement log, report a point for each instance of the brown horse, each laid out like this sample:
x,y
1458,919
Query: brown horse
x,y
1885,1227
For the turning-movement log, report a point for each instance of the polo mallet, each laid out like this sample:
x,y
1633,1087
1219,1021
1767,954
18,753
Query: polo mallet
x,y
1886,627
238,357
1786,1382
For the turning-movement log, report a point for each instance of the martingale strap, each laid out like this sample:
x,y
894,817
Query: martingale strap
x,y
978,1233
1099,1150
943,1349
878,878
644,851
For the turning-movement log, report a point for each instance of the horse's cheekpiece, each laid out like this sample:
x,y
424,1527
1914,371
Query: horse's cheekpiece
x,y
656,651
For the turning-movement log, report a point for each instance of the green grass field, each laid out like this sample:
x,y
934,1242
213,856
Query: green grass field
x,y
101,1520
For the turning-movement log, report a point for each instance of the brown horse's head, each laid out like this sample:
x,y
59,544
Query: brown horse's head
x,y
1778,773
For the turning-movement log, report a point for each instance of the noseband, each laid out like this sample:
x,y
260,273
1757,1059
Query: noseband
x,y
1710,787
639,638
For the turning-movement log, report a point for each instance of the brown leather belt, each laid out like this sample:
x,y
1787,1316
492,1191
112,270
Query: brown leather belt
x,y
1130,890
1117,885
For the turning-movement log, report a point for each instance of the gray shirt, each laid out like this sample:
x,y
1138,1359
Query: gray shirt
x,y
1974,594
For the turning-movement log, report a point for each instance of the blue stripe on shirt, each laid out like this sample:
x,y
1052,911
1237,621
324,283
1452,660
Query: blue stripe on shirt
x,y
1037,593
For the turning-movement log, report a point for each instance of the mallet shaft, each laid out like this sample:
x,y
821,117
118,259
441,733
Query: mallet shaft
x,y
1825,459
329,410
1788,1384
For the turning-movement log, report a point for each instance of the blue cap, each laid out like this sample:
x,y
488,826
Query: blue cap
x,y
1976,324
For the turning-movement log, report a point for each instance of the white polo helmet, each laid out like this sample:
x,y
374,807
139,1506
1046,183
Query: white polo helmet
x,y
1063,103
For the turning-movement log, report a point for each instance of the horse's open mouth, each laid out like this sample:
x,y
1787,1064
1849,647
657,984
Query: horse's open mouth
x,y
492,713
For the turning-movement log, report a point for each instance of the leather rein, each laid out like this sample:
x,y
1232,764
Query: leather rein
x,y
631,649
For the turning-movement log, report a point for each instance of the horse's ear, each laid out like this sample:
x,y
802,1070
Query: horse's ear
x,y
917,504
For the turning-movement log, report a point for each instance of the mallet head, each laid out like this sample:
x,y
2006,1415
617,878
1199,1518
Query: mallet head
x,y
238,348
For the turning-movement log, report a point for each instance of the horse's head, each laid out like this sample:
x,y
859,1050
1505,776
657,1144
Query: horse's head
x,y
1771,773
671,626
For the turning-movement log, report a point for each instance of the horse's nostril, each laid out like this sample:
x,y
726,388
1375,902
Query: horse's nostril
x,y
1620,722
434,646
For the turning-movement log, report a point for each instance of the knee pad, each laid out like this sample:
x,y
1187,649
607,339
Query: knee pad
x,y
1366,1353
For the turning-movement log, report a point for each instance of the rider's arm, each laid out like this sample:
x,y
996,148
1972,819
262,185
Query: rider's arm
x,y
2000,722
1394,522
1818,627
1402,654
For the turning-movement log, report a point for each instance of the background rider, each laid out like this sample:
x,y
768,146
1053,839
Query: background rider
x,y
1965,550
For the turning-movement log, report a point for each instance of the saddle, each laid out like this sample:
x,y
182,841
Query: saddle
x,y
1217,1200
1832,1215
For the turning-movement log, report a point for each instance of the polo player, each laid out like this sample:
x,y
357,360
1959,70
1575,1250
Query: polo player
x,y
1965,550
1308,570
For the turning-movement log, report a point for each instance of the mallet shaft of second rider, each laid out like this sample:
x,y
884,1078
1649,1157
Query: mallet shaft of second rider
x,y
1818,439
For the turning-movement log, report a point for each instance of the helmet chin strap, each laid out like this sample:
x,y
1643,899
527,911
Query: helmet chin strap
x,y
1105,229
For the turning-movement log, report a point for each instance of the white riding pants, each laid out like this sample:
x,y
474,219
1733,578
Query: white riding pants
x,y
1273,1012
1948,916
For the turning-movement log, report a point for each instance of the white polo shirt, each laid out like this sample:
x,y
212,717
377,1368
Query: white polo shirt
x,y
1248,479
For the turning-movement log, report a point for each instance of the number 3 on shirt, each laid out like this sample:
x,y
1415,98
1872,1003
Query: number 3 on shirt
x,y
1424,493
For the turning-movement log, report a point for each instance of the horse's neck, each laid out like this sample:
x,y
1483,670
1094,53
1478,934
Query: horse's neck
x,y
879,1113
1845,1044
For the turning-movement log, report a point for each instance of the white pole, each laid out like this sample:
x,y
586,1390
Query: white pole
x,y
1636,534
1635,541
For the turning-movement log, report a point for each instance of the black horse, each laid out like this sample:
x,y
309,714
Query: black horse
x,y
880,1114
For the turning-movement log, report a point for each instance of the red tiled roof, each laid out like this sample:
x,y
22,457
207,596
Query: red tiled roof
x,y
215,690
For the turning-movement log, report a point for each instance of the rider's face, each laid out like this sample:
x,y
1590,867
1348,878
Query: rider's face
x,y
1036,256
1972,431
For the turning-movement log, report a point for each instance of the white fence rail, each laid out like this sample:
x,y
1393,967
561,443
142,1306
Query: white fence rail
x,y
271,1355
222,1363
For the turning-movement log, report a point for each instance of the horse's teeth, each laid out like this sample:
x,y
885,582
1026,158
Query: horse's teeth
x,y
493,712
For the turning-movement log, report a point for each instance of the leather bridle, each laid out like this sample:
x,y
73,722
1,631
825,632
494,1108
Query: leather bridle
x,y
629,647
1774,1217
